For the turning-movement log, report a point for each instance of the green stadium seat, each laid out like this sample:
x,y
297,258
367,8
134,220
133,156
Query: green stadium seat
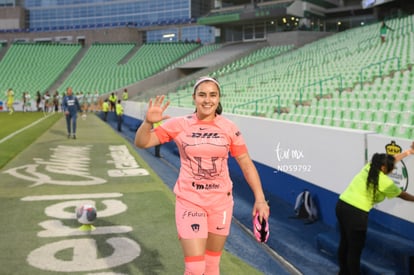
x,y
404,131
388,129
35,67
394,117
407,117
380,116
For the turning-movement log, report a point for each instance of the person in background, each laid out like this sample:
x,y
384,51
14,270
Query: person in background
x,y
370,186
105,109
38,101
10,100
24,101
125,95
71,107
83,101
119,113
28,106
46,100
56,99
62,96
88,102
95,101
204,200
112,102
383,31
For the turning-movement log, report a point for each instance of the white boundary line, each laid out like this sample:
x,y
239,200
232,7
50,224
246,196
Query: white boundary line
x,y
23,129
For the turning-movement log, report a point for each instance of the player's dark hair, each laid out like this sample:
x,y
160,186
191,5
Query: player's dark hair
x,y
378,161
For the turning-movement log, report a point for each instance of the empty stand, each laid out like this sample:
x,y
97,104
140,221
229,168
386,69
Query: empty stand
x,y
349,76
100,69
28,67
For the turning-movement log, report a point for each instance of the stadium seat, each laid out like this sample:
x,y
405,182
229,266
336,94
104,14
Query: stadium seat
x,y
388,129
404,131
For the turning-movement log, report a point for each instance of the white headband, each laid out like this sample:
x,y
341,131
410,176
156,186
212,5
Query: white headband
x,y
206,78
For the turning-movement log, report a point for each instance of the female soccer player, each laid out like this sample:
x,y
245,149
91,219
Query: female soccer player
x,y
204,201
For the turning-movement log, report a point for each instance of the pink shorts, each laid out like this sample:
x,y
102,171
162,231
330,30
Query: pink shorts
x,y
194,222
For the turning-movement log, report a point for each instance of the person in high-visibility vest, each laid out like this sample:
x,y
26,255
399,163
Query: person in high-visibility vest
x,y
119,112
112,101
125,95
369,187
105,109
10,101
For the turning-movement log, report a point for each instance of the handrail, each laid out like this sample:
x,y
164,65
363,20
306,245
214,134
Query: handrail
x,y
300,63
335,53
223,88
320,83
370,41
255,101
361,76
262,78
176,98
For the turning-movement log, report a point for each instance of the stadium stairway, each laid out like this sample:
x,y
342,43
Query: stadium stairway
x,y
294,246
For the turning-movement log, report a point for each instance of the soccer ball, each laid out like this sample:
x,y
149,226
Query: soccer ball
x,y
83,116
86,214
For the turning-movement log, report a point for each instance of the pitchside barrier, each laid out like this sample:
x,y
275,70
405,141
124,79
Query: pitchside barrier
x,y
293,156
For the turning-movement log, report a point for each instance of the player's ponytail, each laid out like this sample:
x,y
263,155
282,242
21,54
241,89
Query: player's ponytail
x,y
378,161
219,109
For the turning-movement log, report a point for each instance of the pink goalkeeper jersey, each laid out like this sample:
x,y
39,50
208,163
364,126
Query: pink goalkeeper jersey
x,y
204,148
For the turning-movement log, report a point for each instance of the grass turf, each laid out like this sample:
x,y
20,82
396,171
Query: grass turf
x,y
149,212
12,144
